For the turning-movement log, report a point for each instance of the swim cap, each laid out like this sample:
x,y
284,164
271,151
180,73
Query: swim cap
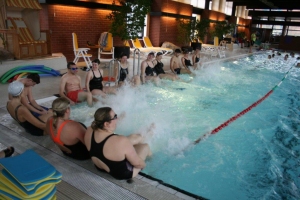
x,y
15,88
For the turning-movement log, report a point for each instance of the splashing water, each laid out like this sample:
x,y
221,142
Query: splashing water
x,y
255,157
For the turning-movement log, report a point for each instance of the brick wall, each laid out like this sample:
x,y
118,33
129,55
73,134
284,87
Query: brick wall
x,y
164,28
88,24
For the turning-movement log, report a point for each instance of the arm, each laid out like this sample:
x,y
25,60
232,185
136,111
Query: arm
x,y
172,65
62,86
87,137
25,114
131,155
194,60
79,79
87,81
143,68
182,62
32,106
79,130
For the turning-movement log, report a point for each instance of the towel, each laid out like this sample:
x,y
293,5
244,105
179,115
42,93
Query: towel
x,y
103,39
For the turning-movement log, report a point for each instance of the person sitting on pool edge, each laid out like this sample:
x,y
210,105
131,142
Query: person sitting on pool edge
x,y
147,70
159,69
122,157
27,97
123,74
94,81
32,124
70,87
175,64
67,134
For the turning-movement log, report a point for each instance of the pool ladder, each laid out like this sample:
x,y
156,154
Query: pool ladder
x,y
138,53
111,67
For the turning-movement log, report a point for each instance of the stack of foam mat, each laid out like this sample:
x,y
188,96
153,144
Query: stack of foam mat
x,y
28,176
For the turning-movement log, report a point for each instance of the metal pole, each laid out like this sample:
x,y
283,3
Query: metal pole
x,y
134,54
110,70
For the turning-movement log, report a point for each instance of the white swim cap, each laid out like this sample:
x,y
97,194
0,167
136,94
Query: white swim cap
x,y
15,88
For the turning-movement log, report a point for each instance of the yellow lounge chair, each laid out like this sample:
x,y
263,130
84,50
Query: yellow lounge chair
x,y
137,45
148,44
106,45
81,52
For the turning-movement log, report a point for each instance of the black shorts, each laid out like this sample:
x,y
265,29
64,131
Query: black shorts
x,y
177,70
252,42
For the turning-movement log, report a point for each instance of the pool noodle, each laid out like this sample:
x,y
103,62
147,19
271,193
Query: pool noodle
x,y
39,71
17,68
29,67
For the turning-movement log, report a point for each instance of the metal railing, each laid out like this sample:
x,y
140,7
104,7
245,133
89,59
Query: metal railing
x,y
111,68
136,52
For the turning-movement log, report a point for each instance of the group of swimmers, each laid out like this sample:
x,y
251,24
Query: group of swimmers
x,y
120,156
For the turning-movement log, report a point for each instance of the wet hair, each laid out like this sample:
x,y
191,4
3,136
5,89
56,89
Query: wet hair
x,y
177,51
123,54
35,77
273,55
101,116
59,107
96,61
69,64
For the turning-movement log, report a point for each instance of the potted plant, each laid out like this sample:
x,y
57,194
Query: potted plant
x,y
186,29
128,20
201,30
222,28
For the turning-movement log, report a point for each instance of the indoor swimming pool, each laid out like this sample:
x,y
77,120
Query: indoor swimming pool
x,y
255,157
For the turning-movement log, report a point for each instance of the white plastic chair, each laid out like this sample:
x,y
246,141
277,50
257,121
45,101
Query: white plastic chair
x,y
81,52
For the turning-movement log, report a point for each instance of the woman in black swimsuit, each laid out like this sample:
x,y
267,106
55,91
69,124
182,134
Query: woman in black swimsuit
x,y
123,74
196,58
158,67
148,72
33,125
122,157
94,81
186,62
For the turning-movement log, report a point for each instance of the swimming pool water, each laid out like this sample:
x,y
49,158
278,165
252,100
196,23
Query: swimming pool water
x,y
254,157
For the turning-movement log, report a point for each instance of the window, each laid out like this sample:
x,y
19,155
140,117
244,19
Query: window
x,y
198,3
228,8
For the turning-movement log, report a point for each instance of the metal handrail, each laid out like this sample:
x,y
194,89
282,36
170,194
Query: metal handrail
x,y
139,58
110,70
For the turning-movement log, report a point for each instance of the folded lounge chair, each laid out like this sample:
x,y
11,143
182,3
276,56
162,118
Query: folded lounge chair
x,y
137,45
148,44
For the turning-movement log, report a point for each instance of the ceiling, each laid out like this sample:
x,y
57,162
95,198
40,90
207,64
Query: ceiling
x,y
272,12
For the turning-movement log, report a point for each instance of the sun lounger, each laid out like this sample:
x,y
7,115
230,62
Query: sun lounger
x,y
148,44
137,45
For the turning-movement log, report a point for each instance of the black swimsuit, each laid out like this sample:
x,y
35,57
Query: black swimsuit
x,y
123,74
187,62
159,68
149,70
118,169
96,82
197,59
29,128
